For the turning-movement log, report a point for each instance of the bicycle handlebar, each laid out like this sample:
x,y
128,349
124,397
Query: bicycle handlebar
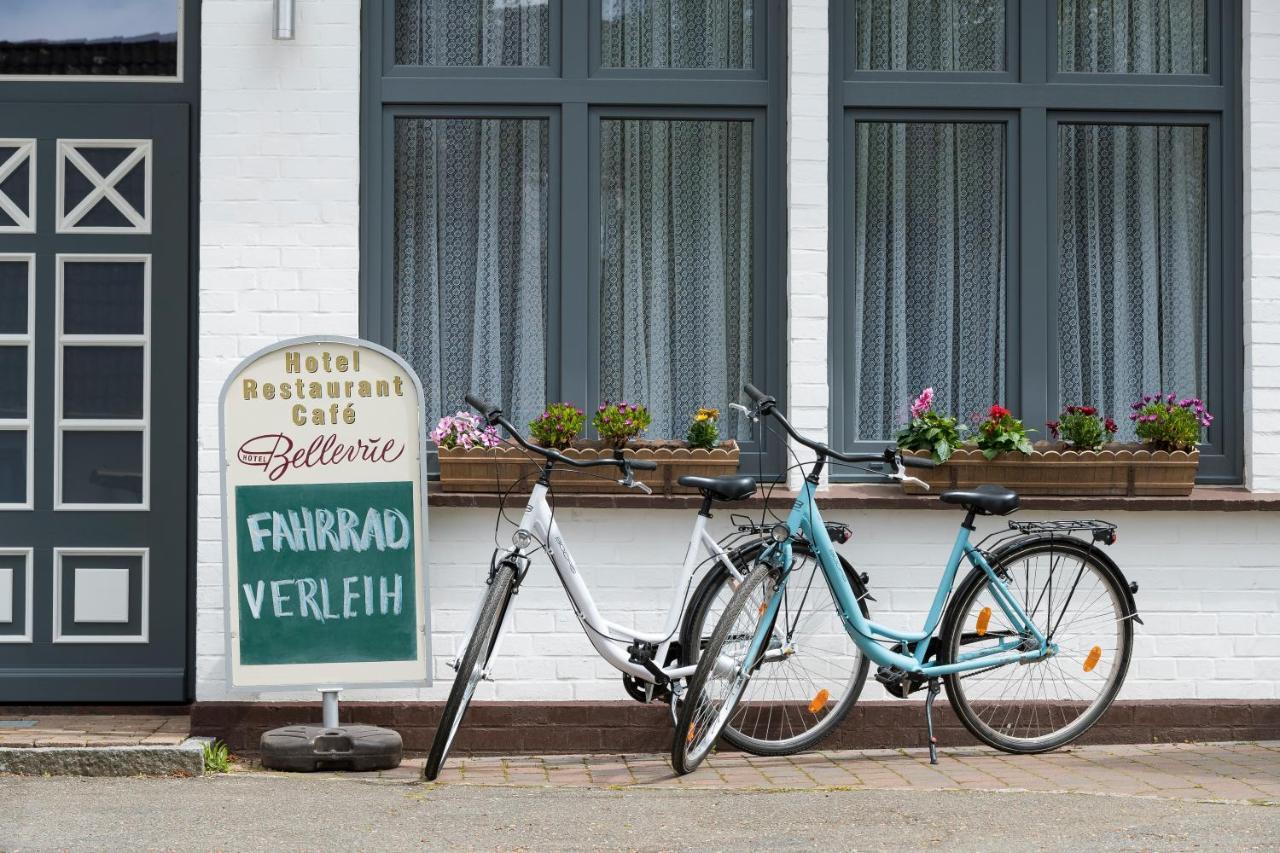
x,y
493,416
767,405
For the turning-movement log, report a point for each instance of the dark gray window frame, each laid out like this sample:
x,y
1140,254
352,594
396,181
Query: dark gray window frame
x,y
574,93
1034,97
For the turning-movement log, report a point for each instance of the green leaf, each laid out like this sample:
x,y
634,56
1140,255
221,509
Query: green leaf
x,y
942,450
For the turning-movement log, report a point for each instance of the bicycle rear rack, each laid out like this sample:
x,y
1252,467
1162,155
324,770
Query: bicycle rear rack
x,y
1099,531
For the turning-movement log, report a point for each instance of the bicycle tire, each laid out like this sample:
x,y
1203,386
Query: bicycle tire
x,y
474,660
804,726
691,742
1114,618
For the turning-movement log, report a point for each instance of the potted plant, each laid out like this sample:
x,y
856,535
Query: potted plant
x,y
483,464
1169,428
1082,459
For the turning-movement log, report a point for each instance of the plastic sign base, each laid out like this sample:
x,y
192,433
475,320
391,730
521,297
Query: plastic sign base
x,y
309,748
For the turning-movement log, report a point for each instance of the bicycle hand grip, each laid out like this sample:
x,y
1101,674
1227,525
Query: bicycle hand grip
x,y
757,396
486,409
642,464
918,462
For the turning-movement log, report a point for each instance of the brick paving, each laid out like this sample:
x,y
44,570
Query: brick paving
x,y
1214,772
81,730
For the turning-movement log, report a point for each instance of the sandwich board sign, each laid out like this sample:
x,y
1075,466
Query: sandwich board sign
x,y
324,517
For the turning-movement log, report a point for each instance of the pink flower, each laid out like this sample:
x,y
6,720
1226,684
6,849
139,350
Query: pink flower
x,y
922,403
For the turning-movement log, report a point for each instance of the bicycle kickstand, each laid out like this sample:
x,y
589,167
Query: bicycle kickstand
x,y
934,690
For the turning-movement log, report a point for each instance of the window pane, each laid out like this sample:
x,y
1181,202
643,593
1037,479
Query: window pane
x,y
929,274
89,37
676,33
13,297
470,261
1132,36
929,35
13,466
102,382
102,467
676,267
13,381
1133,277
472,32
103,297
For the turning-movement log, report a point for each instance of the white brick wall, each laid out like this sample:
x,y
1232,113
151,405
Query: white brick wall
x,y
279,257
807,381
279,217
1261,123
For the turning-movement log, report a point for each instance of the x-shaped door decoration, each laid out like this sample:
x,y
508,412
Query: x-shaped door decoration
x,y
17,186
104,186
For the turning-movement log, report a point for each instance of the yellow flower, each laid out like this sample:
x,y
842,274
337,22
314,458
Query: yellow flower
x,y
706,415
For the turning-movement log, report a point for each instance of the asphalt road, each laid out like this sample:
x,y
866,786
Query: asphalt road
x,y
253,811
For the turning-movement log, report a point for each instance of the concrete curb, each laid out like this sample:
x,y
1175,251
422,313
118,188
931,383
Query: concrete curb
x,y
185,759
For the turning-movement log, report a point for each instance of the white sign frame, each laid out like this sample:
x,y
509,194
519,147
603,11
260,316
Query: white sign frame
x,y
296,676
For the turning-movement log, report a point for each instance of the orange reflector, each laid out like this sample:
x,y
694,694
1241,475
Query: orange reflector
x,y
763,605
819,701
1091,660
689,737
984,619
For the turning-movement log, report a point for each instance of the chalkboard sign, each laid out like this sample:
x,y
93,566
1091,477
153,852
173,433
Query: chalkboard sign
x,y
324,516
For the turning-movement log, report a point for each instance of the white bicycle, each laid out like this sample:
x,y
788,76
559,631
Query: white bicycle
x,y
654,665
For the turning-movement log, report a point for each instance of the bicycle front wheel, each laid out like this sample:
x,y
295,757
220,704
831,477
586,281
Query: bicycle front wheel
x,y
1077,600
472,666
721,676
812,672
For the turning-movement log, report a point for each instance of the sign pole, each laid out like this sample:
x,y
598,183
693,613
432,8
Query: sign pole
x,y
329,715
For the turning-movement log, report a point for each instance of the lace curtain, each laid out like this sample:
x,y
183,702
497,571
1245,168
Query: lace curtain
x,y
676,268
929,35
929,269
472,32
471,260
676,33
1133,36
1133,270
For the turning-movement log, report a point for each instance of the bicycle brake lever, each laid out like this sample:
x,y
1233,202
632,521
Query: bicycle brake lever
x,y
748,412
900,474
632,483
917,481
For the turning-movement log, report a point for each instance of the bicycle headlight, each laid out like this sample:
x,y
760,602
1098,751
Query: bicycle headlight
x,y
779,532
522,539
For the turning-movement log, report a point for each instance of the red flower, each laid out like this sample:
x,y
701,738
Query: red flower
x,y
998,412
1053,427
1110,426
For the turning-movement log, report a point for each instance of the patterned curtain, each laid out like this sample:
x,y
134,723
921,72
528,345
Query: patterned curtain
x,y
929,35
471,260
676,33
1134,264
1133,36
472,32
929,275
676,268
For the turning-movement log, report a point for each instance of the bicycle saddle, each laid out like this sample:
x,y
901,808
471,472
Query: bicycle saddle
x,y
730,487
984,500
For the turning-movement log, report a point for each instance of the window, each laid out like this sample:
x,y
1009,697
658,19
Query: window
x,y
567,201
1037,205
139,39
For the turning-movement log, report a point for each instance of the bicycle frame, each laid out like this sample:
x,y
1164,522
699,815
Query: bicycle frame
x,y
806,520
609,638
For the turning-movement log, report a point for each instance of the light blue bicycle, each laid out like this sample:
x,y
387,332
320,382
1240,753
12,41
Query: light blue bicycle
x,y
1034,644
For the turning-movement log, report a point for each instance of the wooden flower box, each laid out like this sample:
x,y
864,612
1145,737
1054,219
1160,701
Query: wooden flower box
x,y
1117,470
496,469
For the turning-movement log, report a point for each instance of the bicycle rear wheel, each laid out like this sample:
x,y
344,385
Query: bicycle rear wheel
x,y
1078,601
812,673
471,669
721,677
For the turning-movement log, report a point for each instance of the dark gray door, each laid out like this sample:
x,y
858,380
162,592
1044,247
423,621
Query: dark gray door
x,y
94,302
